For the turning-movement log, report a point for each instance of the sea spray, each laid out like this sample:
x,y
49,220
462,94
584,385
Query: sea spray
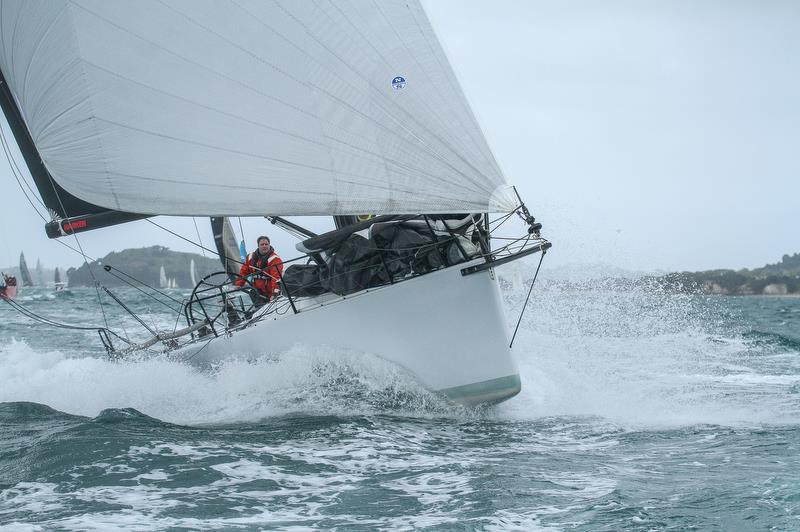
x,y
640,410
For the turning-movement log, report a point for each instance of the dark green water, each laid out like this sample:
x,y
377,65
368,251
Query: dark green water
x,y
639,411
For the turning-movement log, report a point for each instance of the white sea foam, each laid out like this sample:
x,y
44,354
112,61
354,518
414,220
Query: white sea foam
x,y
638,357
318,381
644,358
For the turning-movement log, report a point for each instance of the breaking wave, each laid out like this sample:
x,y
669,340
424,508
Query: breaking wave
x,y
637,356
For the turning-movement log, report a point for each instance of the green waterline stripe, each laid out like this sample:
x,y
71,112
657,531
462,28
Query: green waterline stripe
x,y
491,390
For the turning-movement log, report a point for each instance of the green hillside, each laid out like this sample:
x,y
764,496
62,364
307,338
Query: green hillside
x,y
782,278
145,265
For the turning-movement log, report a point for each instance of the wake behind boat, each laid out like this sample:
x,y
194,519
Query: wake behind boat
x,y
125,111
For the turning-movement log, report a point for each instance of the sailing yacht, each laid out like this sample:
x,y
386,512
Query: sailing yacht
x,y
58,284
24,272
126,110
162,278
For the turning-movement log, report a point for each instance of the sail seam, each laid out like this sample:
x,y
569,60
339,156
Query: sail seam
x,y
227,150
36,50
93,118
419,140
313,87
431,112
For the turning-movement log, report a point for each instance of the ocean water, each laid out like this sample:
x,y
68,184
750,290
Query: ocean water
x,y
640,410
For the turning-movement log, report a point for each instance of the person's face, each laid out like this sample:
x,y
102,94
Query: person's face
x,y
263,245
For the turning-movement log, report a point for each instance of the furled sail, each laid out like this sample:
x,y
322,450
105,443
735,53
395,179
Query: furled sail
x,y
215,107
225,241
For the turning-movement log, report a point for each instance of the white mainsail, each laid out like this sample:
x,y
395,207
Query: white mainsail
x,y
223,107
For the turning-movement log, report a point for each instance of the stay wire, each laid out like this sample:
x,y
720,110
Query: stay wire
x,y
527,298
80,247
17,176
202,248
234,260
241,229
148,294
48,321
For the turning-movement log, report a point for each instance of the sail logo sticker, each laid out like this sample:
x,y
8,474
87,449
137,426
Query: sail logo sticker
x,y
398,83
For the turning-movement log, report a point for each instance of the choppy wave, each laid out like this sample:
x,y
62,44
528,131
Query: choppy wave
x,y
639,357
640,410
313,381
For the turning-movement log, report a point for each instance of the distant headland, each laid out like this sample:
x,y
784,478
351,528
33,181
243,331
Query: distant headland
x,y
782,278
145,264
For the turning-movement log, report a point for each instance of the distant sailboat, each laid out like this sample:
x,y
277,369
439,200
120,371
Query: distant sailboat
x,y
193,273
162,278
24,272
39,272
58,283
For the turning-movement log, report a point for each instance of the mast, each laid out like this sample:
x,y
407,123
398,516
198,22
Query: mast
x,y
70,213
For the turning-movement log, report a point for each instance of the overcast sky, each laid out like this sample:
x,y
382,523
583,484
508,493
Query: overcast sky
x,y
649,135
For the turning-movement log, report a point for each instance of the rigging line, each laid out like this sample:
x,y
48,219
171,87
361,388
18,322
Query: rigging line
x,y
80,247
197,230
108,268
241,229
130,277
48,321
22,188
16,170
526,299
236,260
502,221
129,311
197,352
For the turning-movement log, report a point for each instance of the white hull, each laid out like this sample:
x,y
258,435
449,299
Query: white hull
x,y
446,329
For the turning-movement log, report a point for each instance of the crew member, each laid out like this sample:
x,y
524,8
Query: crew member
x,y
263,268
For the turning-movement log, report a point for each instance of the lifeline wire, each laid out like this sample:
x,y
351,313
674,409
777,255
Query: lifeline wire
x,y
526,299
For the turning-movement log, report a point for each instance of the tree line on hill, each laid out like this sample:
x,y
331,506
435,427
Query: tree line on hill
x,y
144,264
782,278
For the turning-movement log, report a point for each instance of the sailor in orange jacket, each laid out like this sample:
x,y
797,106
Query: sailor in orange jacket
x,y
264,269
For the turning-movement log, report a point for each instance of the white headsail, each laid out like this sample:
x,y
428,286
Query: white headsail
x,y
222,107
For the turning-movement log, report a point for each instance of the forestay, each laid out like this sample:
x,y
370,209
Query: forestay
x,y
213,107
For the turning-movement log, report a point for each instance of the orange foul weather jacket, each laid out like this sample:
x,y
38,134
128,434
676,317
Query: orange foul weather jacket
x,y
264,271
